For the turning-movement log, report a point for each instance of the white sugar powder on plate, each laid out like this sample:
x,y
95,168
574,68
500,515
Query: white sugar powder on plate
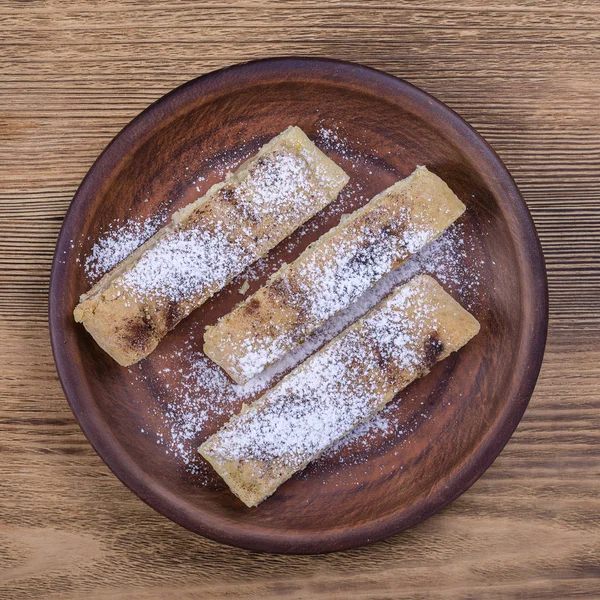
x,y
118,243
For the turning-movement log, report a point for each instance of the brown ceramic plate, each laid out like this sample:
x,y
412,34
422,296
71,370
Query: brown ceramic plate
x,y
473,400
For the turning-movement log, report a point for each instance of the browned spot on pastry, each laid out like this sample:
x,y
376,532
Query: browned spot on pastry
x,y
240,204
173,314
396,228
365,257
196,218
387,231
228,195
382,363
252,306
279,287
287,292
139,332
433,347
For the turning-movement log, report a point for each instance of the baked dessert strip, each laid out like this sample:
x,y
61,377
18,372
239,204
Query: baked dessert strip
x,y
349,380
331,274
208,243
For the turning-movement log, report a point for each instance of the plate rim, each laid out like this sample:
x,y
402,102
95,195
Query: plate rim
x,y
158,497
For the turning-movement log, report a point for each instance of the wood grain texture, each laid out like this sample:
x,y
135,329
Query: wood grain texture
x,y
72,73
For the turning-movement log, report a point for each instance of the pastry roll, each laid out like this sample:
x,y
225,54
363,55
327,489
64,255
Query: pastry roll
x,y
332,273
208,243
349,380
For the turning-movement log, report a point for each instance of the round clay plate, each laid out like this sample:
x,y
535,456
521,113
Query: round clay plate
x,y
447,427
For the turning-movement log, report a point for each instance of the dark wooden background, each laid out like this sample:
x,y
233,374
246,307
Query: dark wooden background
x,y
525,74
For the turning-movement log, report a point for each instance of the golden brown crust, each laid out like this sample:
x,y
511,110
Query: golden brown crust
x,y
332,273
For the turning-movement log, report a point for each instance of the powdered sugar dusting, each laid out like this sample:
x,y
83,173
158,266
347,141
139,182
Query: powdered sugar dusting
x,y
331,138
324,280
196,399
118,243
197,258
281,188
186,263
357,264
215,240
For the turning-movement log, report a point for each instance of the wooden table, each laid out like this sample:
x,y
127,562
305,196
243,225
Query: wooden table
x,y
525,74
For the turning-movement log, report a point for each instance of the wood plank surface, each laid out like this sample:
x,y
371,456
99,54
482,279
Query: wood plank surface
x,y
73,73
